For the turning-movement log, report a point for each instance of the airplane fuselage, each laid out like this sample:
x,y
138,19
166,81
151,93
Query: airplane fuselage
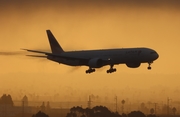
x,y
115,56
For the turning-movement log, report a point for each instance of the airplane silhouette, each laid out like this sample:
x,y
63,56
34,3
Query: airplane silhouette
x,y
132,57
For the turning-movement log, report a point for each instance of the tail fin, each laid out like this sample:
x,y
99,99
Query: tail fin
x,y
55,47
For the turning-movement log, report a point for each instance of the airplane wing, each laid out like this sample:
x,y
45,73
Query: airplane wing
x,y
105,60
54,55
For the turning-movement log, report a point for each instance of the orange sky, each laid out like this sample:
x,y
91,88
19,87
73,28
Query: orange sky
x,y
89,25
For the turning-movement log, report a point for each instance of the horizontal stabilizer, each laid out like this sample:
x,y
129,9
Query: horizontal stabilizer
x,y
35,51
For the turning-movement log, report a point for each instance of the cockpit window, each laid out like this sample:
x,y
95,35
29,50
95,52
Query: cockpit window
x,y
152,52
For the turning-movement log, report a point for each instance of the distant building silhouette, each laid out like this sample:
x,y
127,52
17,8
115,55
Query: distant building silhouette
x,y
25,101
89,102
42,107
143,108
48,108
6,100
6,104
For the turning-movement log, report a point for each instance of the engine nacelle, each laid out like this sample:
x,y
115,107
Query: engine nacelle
x,y
95,63
133,65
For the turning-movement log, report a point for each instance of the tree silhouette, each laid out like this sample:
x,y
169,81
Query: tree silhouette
x,y
40,114
136,114
98,111
68,115
124,115
88,112
83,116
150,115
101,111
76,112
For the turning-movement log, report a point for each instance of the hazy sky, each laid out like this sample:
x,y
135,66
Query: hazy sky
x,y
79,25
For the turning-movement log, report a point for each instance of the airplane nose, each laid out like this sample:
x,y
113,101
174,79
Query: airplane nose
x,y
157,55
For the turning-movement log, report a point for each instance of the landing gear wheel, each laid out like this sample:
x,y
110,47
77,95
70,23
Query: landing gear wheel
x,y
93,70
87,71
111,70
149,68
90,70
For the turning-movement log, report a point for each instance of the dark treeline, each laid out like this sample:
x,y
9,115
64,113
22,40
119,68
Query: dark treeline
x,y
40,114
102,111
7,106
97,111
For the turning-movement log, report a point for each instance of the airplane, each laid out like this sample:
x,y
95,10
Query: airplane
x,y
94,59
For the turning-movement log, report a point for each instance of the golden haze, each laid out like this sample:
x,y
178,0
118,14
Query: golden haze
x,y
90,26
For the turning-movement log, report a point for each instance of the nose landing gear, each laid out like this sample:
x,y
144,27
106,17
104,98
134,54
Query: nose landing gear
x,y
149,67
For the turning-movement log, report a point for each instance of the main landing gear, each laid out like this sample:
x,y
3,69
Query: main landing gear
x,y
90,70
111,70
149,67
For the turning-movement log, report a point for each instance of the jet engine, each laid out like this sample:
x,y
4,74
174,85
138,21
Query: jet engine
x,y
95,63
133,65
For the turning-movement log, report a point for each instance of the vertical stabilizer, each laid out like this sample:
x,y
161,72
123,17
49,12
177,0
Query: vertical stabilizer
x,y
55,47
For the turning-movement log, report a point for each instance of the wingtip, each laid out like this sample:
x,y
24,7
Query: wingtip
x,y
23,49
